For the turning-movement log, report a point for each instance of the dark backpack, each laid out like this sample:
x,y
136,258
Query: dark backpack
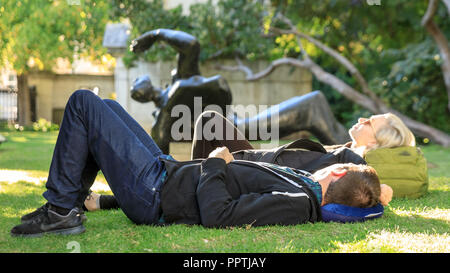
x,y
302,154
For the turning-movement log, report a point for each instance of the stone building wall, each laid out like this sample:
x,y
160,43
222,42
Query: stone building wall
x,y
53,91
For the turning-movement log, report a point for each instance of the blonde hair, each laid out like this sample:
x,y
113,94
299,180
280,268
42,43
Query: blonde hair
x,y
394,134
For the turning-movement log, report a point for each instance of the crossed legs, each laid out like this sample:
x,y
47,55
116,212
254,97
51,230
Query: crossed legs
x,y
93,137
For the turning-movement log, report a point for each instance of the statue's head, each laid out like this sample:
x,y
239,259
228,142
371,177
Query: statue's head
x,y
143,90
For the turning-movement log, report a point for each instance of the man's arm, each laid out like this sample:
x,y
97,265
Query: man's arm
x,y
219,209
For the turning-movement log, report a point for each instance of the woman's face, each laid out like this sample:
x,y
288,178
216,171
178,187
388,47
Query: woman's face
x,y
363,132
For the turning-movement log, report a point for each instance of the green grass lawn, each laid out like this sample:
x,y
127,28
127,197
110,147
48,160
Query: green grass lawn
x,y
420,225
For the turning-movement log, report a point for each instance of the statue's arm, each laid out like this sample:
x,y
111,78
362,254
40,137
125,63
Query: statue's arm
x,y
182,42
185,44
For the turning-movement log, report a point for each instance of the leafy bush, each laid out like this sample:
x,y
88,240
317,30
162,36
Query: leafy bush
x,y
388,45
413,85
225,29
44,125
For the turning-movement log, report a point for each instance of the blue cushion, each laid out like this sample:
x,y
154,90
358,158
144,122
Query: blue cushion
x,y
346,214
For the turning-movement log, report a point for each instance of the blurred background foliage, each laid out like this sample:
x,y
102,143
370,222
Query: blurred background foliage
x,y
34,34
386,43
224,30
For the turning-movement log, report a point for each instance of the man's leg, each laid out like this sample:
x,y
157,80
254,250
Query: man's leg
x,y
134,126
109,201
92,132
205,142
130,167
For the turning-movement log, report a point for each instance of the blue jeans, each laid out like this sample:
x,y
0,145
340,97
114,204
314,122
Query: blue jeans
x,y
98,134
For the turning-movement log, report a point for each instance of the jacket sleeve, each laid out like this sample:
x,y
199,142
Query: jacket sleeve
x,y
346,155
219,209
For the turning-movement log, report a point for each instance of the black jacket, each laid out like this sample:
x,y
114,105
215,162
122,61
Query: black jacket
x,y
302,154
215,194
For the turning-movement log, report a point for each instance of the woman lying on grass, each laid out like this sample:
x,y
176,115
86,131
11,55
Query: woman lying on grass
x,y
153,188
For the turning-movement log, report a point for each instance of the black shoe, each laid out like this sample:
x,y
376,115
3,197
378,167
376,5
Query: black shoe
x,y
27,218
46,221
30,216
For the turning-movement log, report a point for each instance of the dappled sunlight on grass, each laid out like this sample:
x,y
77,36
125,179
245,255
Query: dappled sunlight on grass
x,y
12,213
19,139
398,241
408,225
19,198
100,187
40,178
14,176
424,212
21,188
287,248
440,183
49,141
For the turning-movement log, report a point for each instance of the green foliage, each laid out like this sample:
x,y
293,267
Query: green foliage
x,y
386,43
233,27
145,16
227,29
34,33
43,125
413,87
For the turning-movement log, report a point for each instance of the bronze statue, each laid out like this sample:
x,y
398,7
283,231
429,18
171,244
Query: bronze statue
x,y
310,112
187,83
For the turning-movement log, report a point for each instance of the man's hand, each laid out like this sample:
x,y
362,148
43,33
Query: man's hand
x,y
386,194
222,152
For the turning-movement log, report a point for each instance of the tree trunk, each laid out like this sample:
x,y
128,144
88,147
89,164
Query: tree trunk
x,y
23,100
444,49
447,4
441,42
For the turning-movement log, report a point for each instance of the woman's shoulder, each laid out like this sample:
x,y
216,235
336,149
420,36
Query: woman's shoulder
x,y
331,148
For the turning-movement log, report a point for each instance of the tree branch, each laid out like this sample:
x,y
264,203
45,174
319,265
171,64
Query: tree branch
x,y
370,102
441,42
333,53
447,4
347,91
431,10
251,76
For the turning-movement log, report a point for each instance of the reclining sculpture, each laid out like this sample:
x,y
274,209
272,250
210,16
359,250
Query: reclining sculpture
x,y
309,112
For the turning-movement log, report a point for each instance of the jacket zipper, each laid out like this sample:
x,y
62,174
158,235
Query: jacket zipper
x,y
272,171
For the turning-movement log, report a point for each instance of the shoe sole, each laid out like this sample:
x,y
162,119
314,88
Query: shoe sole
x,y
83,218
67,231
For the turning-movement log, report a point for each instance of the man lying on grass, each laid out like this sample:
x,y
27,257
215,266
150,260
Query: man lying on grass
x,y
153,188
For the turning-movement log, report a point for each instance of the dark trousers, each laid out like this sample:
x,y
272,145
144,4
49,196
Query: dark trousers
x,y
98,135
204,143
